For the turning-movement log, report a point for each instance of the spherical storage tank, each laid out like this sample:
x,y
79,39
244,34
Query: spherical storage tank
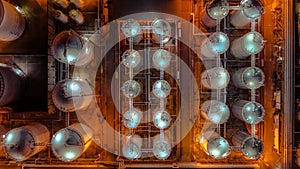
x,y
69,143
161,147
215,78
12,80
216,146
131,58
12,23
161,119
252,147
215,44
248,78
161,59
131,28
131,89
250,10
23,142
72,95
250,112
132,145
215,111
161,89
250,43
161,30
68,47
215,10
132,118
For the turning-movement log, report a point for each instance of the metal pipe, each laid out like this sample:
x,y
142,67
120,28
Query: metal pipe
x,y
60,166
191,165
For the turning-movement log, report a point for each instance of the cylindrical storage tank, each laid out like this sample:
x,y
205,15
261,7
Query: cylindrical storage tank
x,y
23,142
215,78
131,58
131,88
78,3
161,59
213,11
250,43
69,143
161,119
12,23
215,111
132,118
132,146
72,95
77,16
161,147
250,10
67,46
215,44
12,80
248,78
252,147
161,89
216,146
161,30
250,112
59,15
62,3
131,28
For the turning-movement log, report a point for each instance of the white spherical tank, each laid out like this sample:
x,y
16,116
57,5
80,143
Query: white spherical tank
x,y
215,78
132,118
214,10
161,59
23,142
12,23
216,146
69,143
252,147
215,44
131,88
161,119
248,78
12,80
250,10
161,30
131,28
250,43
215,111
250,112
161,89
132,145
72,95
161,147
131,58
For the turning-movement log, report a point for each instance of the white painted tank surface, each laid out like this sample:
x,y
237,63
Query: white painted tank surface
x,y
250,10
215,78
216,146
132,118
72,95
161,59
250,43
131,88
248,78
23,142
161,30
250,112
131,58
161,119
131,147
161,147
131,28
215,111
252,147
69,143
215,44
12,23
215,10
161,89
